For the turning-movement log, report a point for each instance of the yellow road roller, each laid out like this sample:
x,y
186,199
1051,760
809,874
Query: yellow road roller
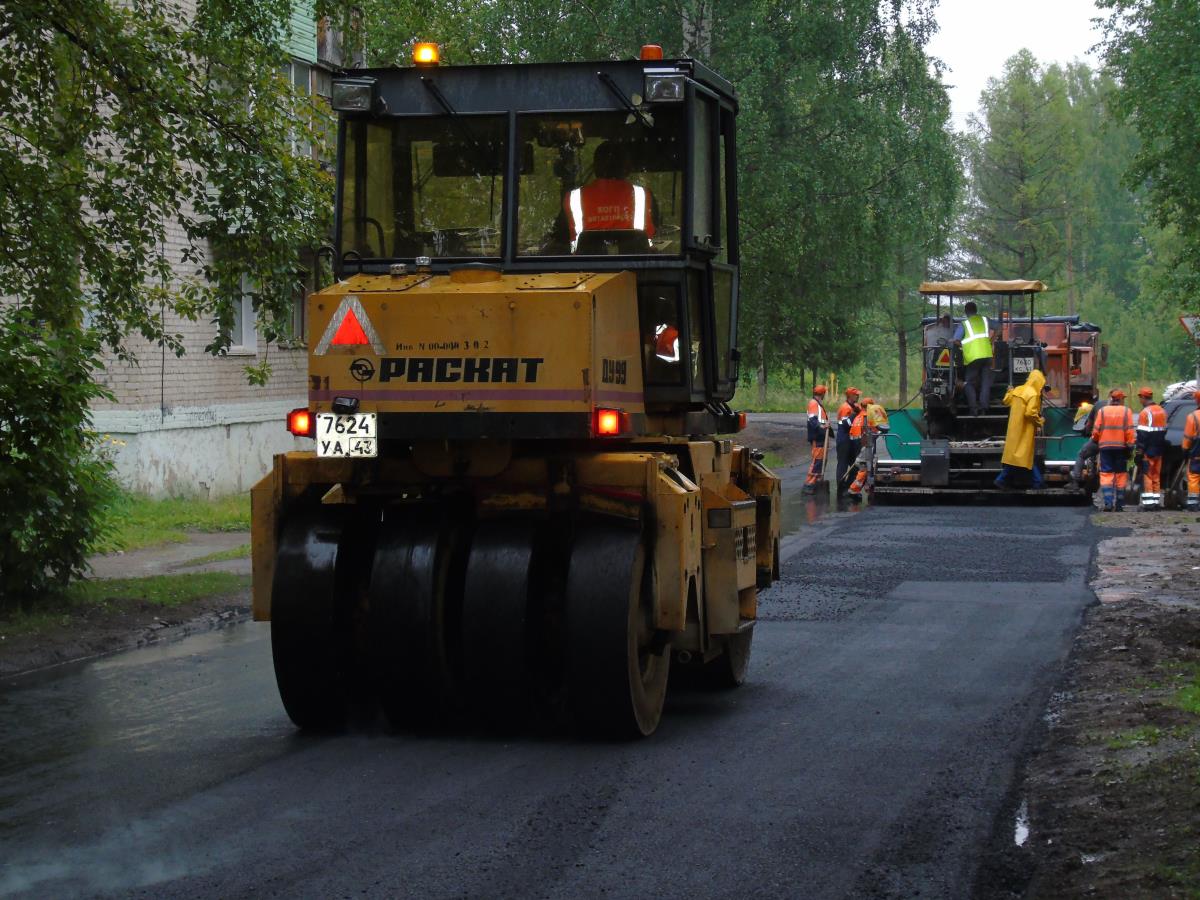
x,y
518,498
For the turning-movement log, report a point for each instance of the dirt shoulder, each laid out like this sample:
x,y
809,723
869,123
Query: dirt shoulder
x,y
1109,803
783,436
142,597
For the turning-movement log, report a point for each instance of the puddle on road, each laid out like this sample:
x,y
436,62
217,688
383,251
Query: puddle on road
x,y
801,510
1021,824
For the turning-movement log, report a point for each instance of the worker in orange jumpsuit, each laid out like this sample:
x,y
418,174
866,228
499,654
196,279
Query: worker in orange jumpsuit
x,y
1114,435
1191,453
847,447
872,422
818,429
1151,441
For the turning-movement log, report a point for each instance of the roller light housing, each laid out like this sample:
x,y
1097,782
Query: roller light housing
x,y
301,422
609,422
353,94
669,88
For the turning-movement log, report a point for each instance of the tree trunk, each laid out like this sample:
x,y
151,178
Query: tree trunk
x,y
697,29
762,373
1070,273
902,345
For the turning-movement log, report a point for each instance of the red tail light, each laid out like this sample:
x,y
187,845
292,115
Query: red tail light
x,y
300,422
741,421
609,422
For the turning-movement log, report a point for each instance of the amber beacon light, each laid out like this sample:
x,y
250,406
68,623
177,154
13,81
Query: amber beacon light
x,y
426,53
652,51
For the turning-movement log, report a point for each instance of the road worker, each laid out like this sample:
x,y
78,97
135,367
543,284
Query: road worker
x,y
1114,434
874,422
1024,403
818,432
1191,453
610,202
974,335
1151,442
847,446
1085,423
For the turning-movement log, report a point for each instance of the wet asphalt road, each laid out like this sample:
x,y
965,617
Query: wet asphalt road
x,y
900,669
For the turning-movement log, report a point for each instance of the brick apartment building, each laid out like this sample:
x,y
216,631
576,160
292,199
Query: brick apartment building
x,y
193,425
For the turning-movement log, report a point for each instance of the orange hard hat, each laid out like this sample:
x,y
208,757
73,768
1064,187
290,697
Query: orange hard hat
x,y
853,390
1145,392
867,401
820,389
1116,394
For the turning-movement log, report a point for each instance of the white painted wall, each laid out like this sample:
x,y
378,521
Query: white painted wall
x,y
207,451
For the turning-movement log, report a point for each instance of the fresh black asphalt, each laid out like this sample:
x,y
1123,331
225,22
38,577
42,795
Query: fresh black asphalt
x,y
900,668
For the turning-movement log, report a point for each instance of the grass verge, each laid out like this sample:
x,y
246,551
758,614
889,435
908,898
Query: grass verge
x,y
111,597
134,522
242,551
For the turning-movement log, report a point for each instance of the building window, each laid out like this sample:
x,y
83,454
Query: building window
x,y
300,75
243,335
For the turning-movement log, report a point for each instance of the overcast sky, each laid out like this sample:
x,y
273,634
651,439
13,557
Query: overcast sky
x,y
975,37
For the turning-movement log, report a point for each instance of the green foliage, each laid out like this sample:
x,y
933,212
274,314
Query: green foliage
x,y
1150,46
134,521
53,479
1048,202
120,124
123,119
1022,160
845,160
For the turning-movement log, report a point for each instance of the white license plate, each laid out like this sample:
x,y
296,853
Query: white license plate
x,y
1022,363
355,435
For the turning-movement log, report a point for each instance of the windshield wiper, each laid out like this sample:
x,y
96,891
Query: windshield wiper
x,y
453,114
607,80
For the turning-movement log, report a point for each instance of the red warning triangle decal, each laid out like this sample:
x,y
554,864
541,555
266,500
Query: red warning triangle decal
x,y
943,360
350,333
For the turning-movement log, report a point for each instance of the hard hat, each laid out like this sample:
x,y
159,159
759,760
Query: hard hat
x,y
820,389
853,390
1116,394
867,401
1145,392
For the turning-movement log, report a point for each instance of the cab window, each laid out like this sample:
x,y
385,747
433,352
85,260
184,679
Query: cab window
x,y
599,184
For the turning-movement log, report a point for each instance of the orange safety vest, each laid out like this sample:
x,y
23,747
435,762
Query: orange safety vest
x,y
609,204
1114,428
1191,431
1152,419
856,427
817,410
666,343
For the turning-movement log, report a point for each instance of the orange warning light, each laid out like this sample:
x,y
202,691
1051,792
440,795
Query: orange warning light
x,y
651,51
300,422
608,422
350,333
426,53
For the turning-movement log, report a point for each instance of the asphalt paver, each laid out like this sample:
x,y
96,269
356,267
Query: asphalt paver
x,y
899,671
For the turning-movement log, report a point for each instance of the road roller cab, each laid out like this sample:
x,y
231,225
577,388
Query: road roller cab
x,y
517,495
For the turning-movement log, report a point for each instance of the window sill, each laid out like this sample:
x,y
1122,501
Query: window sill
x,y
241,351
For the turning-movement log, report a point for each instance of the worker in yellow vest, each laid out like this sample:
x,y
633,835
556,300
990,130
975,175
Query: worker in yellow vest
x,y
974,335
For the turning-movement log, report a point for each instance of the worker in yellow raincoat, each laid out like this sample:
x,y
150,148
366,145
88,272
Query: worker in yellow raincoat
x,y
1024,404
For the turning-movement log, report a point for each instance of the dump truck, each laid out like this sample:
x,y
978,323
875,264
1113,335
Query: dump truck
x,y
942,449
521,492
